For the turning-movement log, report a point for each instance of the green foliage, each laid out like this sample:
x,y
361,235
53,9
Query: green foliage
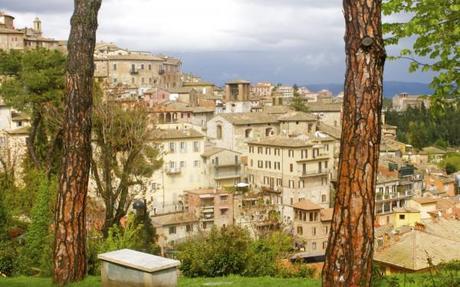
x,y
421,128
148,234
33,83
217,253
8,256
435,25
230,250
119,237
451,163
38,247
297,103
266,251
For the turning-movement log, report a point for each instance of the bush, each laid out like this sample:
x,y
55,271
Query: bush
x,y
8,257
219,253
129,236
264,252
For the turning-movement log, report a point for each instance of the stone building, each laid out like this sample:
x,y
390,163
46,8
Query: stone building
x,y
25,38
213,207
222,167
138,69
296,168
311,227
237,91
403,101
262,90
181,151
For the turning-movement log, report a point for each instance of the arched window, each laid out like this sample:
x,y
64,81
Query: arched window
x,y
248,133
219,131
268,132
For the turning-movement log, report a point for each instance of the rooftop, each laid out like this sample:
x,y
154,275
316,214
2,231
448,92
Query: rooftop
x,y
282,142
306,205
413,249
297,117
425,200
238,82
249,118
324,107
173,219
166,134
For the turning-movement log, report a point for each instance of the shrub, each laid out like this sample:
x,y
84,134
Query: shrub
x,y
8,257
219,253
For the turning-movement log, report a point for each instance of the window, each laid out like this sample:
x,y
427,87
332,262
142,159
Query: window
x,y
291,167
260,164
183,147
291,153
150,67
279,182
132,80
252,163
172,230
323,198
223,211
251,149
196,163
277,151
313,231
268,132
172,164
223,197
313,245
260,150
248,133
142,80
182,164
196,146
114,67
114,80
268,151
133,68
189,228
326,230
324,245
219,132
402,216
142,66
299,230
172,147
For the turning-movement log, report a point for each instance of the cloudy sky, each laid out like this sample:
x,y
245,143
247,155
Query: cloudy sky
x,y
289,41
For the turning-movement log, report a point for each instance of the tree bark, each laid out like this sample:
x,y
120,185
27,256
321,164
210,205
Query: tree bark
x,y
350,248
70,231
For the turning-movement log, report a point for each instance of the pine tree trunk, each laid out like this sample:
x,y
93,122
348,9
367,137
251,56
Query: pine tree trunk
x,y
350,248
70,231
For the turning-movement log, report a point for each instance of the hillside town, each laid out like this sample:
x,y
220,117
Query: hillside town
x,y
242,154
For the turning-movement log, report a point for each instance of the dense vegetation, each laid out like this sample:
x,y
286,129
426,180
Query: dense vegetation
x,y
422,128
231,250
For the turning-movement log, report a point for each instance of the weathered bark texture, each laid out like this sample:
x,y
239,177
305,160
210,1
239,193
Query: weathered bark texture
x,y
70,232
350,249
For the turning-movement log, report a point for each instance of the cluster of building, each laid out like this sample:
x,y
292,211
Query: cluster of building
x,y
239,154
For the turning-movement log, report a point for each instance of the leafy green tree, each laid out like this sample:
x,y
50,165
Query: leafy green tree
x,y
435,25
124,156
38,247
33,83
297,102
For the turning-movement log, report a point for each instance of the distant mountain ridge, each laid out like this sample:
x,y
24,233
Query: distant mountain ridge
x,y
390,88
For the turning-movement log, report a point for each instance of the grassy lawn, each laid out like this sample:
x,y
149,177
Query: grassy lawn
x,y
231,281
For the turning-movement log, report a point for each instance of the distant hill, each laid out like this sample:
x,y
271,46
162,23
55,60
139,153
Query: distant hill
x,y
390,88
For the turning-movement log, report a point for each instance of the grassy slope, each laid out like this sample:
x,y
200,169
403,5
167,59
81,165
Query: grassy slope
x,y
231,281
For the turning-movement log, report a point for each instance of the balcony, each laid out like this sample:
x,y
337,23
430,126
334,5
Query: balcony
x,y
207,209
271,189
173,170
321,172
227,175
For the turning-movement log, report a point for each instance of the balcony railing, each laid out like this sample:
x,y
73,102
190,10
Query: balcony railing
x,y
173,170
315,173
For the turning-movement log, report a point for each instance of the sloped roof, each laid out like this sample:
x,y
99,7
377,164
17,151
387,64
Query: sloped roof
x,y
173,219
281,142
277,109
19,131
326,214
306,205
209,151
249,118
412,250
176,134
432,150
425,200
334,132
297,116
324,107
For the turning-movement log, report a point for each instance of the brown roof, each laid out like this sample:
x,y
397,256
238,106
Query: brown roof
x,y
413,248
425,200
282,142
323,107
277,109
176,134
326,214
297,116
334,132
173,219
306,205
249,118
